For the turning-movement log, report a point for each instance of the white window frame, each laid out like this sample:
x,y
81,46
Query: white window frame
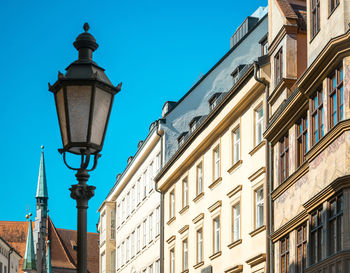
x,y
199,185
259,208
217,162
144,240
150,227
172,204
216,235
236,222
157,221
185,192
259,124
138,239
236,144
199,235
185,254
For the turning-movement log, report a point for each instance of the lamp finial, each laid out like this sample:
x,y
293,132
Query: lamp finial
x,y
86,27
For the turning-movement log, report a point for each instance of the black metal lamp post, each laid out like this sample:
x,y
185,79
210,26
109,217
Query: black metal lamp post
x,y
84,98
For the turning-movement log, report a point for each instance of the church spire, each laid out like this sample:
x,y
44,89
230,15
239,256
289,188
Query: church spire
x,y
29,262
48,258
41,191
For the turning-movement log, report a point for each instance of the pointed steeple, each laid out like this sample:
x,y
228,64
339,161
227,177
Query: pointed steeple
x,y
41,191
48,258
29,262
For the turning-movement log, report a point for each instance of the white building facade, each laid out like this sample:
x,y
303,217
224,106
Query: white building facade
x,y
130,216
9,258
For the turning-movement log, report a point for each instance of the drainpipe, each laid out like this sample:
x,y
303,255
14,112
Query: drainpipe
x,y
268,208
9,260
161,254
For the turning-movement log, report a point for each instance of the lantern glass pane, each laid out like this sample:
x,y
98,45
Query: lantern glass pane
x,y
79,100
62,115
102,103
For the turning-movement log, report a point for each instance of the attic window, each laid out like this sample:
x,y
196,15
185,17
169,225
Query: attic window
x,y
213,101
181,139
74,245
264,45
193,126
236,73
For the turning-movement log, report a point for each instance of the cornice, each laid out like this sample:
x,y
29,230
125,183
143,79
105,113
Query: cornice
x,y
199,217
171,239
256,174
183,229
214,206
256,259
213,185
235,269
235,166
234,191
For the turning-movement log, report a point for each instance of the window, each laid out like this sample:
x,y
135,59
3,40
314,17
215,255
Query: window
x,y
199,245
236,145
278,67
316,236
138,239
133,204
150,269
236,222
185,192
123,253
150,177
301,140
172,204
199,178
301,249
138,185
216,235
259,125
123,210
127,245
213,102
128,204
315,17
144,233
133,244
150,229
118,258
157,221
317,117
336,94
264,47
193,125
157,266
118,215
113,224
158,163
336,232
103,263
144,184
284,148
216,157
284,244
332,5
184,255
172,260
259,207
181,140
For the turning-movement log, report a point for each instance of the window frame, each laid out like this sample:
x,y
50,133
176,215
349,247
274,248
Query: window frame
x,y
301,139
216,234
317,117
236,144
185,254
199,245
278,61
338,227
284,254
284,158
172,204
259,122
199,178
315,18
216,162
338,92
234,217
257,205
172,260
318,230
330,8
185,202
301,244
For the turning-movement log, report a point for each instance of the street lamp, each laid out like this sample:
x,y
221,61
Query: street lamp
x,y
84,98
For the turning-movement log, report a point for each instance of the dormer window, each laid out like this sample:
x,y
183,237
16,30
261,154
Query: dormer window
x,y
264,45
236,73
193,124
181,139
213,101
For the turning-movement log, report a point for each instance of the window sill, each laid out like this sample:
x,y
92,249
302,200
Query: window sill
x,y
331,12
215,183
235,166
257,231
198,265
235,243
171,220
215,255
257,148
199,196
313,37
184,209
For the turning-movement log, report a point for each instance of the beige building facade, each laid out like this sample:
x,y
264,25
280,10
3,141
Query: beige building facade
x,y
308,136
214,185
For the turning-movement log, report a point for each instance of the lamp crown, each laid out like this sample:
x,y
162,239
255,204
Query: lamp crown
x,y
85,43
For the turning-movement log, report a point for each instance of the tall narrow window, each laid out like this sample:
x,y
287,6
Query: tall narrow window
x,y
113,224
123,253
199,178
332,5
138,185
301,249
144,233
259,125
301,140
172,260
151,268
316,236
259,209
216,157
236,222
128,205
336,94
284,148
150,177
158,163
127,251
199,245
317,125
278,66
123,210
185,192
118,258
284,254
118,216
138,239
145,184
150,228
315,17
336,232
132,244
157,221
216,235
184,255
113,260
236,145
172,204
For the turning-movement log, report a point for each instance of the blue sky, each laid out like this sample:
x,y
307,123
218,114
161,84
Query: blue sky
x,y
157,49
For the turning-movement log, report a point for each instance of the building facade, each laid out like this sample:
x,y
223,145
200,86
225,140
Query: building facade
x,y
213,184
308,136
132,210
9,257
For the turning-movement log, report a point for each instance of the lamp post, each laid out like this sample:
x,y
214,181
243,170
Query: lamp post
x,y
84,98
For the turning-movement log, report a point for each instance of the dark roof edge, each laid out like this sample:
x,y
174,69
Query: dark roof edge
x,y
218,63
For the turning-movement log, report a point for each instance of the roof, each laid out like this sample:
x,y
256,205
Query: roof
x,y
294,11
29,261
63,255
41,191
